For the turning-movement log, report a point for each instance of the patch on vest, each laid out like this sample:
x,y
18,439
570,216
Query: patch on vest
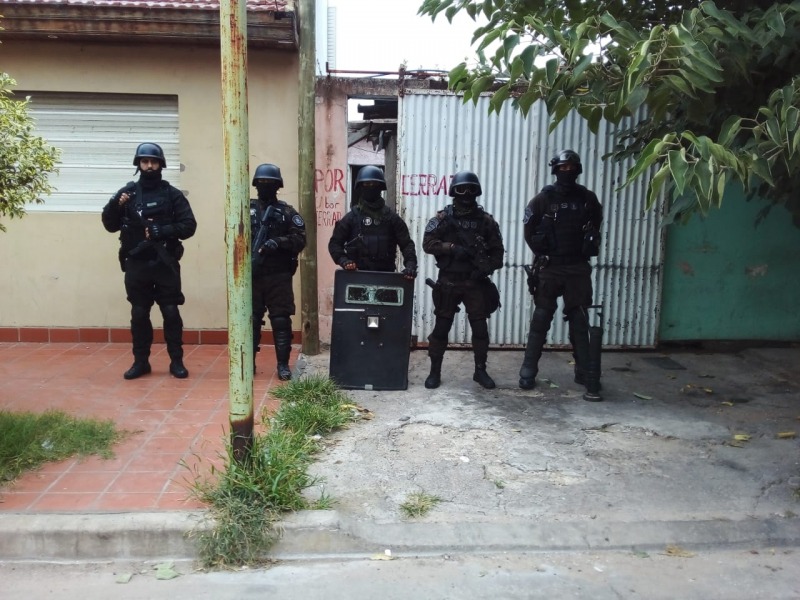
x,y
432,225
298,221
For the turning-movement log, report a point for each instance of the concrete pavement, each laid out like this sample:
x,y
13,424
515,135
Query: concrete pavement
x,y
662,461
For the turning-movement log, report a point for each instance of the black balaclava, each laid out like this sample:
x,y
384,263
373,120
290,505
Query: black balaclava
x,y
463,205
268,191
150,179
371,201
566,179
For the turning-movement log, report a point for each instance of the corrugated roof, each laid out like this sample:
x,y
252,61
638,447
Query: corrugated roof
x,y
252,5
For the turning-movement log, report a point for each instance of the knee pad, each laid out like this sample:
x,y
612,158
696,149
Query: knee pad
x,y
280,323
540,321
578,320
140,313
170,312
441,328
480,329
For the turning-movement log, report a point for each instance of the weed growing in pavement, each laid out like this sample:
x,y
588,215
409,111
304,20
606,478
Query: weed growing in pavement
x,y
247,498
28,440
419,504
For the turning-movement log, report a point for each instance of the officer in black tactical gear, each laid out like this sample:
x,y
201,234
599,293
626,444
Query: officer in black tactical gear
x,y
368,236
152,217
562,227
279,235
468,247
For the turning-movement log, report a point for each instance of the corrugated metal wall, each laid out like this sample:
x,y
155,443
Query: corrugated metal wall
x,y
439,136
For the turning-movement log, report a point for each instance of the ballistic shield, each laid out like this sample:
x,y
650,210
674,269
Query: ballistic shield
x,y
371,330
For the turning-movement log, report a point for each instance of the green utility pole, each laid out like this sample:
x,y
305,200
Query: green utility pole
x,y
233,44
309,304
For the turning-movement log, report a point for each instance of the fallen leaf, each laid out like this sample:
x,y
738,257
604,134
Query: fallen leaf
x,y
642,396
708,390
786,435
641,554
124,578
679,552
165,571
727,403
741,437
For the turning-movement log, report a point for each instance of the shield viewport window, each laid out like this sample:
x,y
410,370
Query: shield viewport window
x,y
373,294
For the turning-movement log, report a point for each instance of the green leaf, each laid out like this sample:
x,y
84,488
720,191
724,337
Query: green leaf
x,y
720,193
528,55
681,85
636,98
760,167
480,85
499,97
646,159
582,65
730,128
594,119
775,21
551,68
678,167
509,43
656,185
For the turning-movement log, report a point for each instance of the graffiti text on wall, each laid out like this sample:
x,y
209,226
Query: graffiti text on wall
x,y
328,185
424,184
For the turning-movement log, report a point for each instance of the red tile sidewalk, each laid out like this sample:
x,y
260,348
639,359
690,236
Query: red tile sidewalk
x,y
173,422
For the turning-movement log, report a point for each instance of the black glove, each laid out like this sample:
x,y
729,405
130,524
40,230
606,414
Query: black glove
x,y
269,246
347,264
409,272
459,252
160,232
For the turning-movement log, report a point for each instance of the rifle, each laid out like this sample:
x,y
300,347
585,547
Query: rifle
x,y
353,247
261,237
477,250
159,246
539,262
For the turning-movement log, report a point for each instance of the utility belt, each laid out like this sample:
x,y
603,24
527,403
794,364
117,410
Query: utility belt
x,y
558,261
455,275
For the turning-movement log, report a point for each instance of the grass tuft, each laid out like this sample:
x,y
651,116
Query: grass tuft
x,y
419,504
248,498
29,440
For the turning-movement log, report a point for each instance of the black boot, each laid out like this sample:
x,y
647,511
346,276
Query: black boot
x,y
282,334
434,379
537,336
138,368
177,369
482,377
580,378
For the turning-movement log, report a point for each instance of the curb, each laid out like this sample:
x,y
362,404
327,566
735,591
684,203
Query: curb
x,y
99,536
325,534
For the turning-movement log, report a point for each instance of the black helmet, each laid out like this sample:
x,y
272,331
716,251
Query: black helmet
x,y
371,173
149,150
268,171
565,156
465,183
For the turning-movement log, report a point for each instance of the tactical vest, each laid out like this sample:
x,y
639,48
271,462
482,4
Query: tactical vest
x,y
154,205
272,223
377,248
462,230
569,217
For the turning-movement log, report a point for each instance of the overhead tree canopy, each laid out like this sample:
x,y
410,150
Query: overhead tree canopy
x,y
26,160
719,82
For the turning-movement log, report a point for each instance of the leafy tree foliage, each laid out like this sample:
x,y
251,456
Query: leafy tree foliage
x,y
718,81
26,160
